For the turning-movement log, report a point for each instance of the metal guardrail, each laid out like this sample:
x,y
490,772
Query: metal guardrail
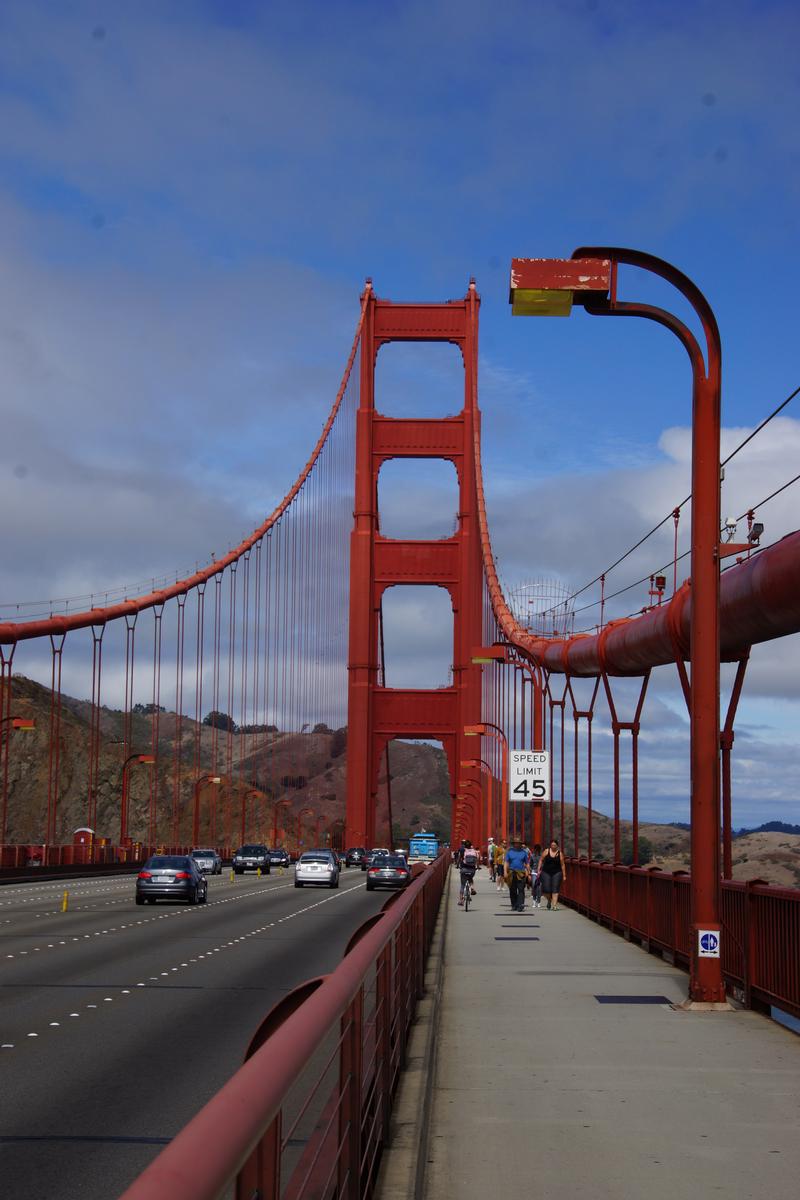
x,y
308,1113
760,924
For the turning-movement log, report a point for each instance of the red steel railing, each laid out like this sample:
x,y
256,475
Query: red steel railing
x,y
308,1113
760,924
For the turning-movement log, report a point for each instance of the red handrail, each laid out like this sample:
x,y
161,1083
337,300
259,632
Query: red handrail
x,y
363,1009
760,924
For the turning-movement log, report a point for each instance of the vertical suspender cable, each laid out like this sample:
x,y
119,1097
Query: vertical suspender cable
x,y
154,724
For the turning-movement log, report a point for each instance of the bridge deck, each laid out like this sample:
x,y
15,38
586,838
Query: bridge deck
x,y
544,1088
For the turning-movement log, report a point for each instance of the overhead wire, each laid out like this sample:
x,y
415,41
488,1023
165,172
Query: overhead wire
x,y
573,595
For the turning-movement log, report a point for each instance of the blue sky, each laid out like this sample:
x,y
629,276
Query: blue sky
x,y
191,195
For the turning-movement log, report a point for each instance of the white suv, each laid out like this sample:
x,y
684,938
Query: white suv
x,y
208,861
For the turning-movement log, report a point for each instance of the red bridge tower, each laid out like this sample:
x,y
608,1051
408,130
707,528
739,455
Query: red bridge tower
x,y
376,714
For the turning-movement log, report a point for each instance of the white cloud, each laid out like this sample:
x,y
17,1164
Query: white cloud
x,y
188,206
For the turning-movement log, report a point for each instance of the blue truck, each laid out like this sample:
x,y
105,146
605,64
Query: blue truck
x,y
423,846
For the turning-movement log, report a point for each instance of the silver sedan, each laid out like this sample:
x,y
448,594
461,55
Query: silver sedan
x,y
317,866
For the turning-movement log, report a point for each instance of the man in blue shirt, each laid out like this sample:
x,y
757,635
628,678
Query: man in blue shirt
x,y
517,866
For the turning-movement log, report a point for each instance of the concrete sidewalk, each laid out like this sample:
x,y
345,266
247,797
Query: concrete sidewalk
x,y
542,1087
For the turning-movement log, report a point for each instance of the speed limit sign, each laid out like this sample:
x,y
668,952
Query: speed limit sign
x,y
528,775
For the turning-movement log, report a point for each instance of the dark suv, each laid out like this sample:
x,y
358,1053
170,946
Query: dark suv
x,y
250,858
355,856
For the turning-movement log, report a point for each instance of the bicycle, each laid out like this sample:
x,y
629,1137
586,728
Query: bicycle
x,y
466,891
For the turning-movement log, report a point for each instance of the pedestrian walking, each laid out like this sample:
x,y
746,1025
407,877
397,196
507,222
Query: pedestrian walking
x,y
490,858
553,870
499,863
517,865
536,877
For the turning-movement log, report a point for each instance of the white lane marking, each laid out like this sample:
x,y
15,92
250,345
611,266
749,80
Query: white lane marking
x,y
242,938
258,891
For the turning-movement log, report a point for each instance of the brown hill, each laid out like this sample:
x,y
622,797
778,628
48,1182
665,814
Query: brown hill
x,y
258,769
774,857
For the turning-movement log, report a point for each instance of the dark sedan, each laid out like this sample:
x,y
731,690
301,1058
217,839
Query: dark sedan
x,y
355,856
371,855
171,877
253,857
279,858
388,870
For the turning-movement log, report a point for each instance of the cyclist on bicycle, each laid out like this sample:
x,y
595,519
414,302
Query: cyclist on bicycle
x,y
468,866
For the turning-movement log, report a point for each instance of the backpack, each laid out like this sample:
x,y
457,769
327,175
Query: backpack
x,y
469,859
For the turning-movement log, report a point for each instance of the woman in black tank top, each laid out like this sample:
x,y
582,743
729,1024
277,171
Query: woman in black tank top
x,y
553,873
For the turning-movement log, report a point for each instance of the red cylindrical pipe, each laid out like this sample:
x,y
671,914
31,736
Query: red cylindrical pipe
x,y
758,602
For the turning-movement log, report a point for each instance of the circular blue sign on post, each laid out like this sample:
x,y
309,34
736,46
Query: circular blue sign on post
x,y
709,942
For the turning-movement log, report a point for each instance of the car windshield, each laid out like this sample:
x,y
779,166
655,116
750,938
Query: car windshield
x,y
251,850
392,860
317,858
167,860
202,854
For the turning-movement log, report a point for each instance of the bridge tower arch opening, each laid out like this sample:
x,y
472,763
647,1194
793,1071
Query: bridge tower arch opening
x,y
376,713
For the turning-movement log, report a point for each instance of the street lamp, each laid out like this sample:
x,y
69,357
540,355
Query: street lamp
x,y
474,795
501,653
303,812
215,779
123,805
487,729
465,810
245,797
589,278
27,722
21,723
480,764
280,804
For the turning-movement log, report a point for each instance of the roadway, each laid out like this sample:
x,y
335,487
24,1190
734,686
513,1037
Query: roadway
x,y
118,1022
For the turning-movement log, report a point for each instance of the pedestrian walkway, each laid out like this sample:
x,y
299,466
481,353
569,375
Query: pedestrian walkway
x,y
563,1071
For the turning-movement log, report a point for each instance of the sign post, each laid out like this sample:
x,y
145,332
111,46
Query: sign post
x,y
529,779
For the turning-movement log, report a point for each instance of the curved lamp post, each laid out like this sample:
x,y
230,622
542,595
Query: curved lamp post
x,y
243,820
215,779
466,808
13,723
480,764
487,729
550,287
280,804
303,812
474,793
123,804
501,652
